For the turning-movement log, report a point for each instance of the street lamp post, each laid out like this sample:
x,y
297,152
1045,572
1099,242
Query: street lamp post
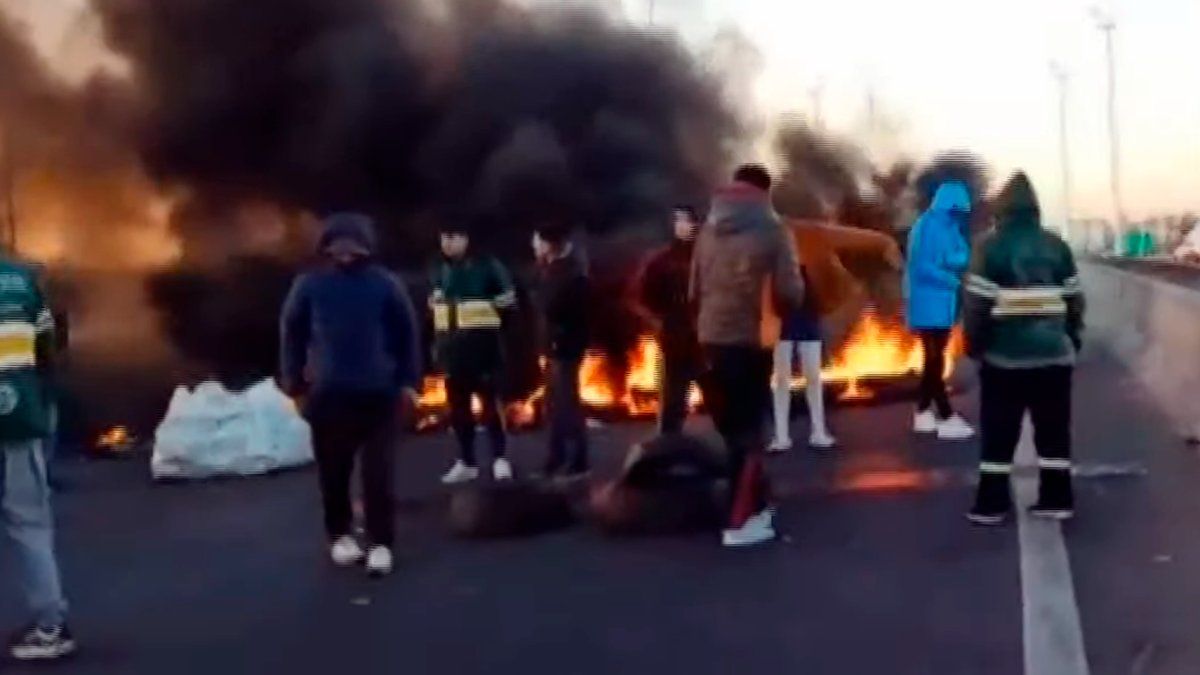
x,y
1108,25
1062,77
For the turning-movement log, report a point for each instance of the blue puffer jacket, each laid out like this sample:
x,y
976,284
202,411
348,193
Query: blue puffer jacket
x,y
938,255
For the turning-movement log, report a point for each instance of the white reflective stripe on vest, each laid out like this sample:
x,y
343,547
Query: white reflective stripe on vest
x,y
1054,464
981,286
995,467
1043,301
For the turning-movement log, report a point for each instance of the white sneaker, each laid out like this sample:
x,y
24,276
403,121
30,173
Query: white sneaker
x,y
379,561
954,428
346,552
460,473
780,445
757,530
822,440
502,469
925,422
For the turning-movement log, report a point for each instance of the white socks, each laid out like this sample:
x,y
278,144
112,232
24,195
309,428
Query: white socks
x,y
810,361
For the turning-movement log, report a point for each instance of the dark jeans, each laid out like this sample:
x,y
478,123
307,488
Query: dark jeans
x,y
675,381
737,392
460,387
933,380
568,430
1007,394
346,424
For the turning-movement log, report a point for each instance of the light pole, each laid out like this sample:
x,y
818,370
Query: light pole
x,y
1062,78
1108,25
817,94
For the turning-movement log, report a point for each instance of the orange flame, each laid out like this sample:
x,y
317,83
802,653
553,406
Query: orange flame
x,y
875,349
116,439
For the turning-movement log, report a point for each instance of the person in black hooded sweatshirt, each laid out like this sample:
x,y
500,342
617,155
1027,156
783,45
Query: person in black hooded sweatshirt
x,y
350,342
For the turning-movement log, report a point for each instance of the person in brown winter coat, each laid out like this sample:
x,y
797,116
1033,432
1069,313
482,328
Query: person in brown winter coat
x,y
744,274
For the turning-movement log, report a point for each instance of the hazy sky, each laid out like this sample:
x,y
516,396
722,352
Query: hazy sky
x,y
975,74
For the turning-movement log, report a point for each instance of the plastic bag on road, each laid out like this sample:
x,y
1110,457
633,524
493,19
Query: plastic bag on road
x,y
214,432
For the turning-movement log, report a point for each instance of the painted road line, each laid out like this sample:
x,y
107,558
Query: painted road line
x,y
1052,633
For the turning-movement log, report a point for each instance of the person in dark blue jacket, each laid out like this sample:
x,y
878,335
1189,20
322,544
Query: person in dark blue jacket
x,y
350,342
938,255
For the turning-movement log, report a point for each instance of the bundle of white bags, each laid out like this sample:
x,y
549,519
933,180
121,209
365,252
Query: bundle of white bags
x,y
214,432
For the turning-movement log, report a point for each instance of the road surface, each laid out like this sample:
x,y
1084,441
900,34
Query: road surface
x,y
878,572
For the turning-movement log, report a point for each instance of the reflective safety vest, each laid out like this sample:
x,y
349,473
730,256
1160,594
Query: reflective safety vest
x,y
469,294
24,320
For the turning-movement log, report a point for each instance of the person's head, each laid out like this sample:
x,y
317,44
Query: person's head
x,y
549,242
1017,203
455,243
685,222
348,239
753,174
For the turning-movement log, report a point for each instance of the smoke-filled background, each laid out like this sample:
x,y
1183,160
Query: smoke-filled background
x,y
186,160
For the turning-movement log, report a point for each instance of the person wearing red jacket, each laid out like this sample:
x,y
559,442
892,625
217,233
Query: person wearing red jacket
x,y
663,292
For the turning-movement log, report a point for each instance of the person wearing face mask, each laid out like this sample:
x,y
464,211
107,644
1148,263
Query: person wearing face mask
x,y
349,346
664,298
938,255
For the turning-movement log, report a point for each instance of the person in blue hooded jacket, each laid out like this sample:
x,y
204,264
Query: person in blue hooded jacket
x,y
938,255
349,342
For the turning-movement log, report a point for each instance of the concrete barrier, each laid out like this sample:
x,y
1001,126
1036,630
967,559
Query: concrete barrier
x,y
1152,327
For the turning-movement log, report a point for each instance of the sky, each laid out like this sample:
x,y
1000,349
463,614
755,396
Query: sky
x,y
950,74
974,74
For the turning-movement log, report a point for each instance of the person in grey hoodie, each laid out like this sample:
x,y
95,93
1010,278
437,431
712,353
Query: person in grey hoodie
x,y
350,344
744,276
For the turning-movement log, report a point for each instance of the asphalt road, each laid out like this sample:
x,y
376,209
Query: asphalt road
x,y
878,572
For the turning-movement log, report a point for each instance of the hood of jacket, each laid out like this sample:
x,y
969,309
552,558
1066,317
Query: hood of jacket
x,y
1017,204
740,207
951,196
356,227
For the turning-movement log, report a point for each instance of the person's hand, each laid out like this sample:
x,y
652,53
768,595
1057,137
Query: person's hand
x,y
892,256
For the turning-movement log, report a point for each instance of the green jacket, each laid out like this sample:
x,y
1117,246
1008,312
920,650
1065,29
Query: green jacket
x,y
1024,304
468,299
26,346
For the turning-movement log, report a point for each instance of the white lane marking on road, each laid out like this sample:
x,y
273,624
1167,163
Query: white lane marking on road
x,y
1052,632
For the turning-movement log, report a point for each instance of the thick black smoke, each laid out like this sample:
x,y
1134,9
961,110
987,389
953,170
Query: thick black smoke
x,y
481,112
487,112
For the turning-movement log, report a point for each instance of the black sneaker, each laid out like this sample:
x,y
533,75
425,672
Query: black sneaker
x,y
43,644
987,519
1052,513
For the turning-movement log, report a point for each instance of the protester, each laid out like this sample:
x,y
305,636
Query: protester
x,y
350,324
26,365
744,271
938,254
829,287
471,292
1024,319
664,296
564,291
